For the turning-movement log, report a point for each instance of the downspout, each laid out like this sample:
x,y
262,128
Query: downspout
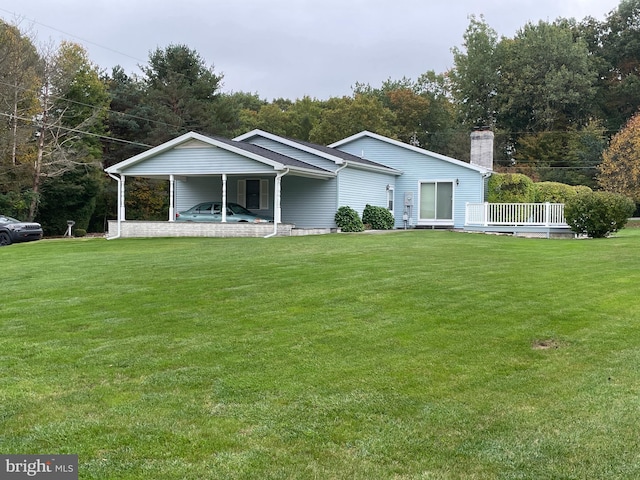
x,y
277,213
119,180
346,164
485,187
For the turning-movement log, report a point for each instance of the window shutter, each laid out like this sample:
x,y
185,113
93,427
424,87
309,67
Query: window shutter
x,y
264,194
242,192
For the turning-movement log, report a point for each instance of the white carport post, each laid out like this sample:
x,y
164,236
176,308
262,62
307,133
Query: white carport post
x,y
224,197
172,215
119,211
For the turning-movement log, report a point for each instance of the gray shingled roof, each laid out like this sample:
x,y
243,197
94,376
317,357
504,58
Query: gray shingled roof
x,y
340,154
270,154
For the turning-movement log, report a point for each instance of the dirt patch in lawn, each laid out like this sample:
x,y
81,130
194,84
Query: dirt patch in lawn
x,y
547,344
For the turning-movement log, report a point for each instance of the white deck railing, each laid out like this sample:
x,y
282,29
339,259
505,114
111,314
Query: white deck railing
x,y
515,214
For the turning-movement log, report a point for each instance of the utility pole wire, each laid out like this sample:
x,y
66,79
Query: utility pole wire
x,y
122,114
75,130
16,15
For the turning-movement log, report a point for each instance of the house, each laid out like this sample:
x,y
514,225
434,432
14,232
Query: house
x,y
300,184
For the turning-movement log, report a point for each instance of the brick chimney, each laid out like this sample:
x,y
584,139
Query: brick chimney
x,y
482,148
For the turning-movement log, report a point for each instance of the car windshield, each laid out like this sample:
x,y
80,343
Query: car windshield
x,y
4,219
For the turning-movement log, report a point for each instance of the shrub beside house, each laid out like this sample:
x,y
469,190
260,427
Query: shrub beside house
x,y
594,214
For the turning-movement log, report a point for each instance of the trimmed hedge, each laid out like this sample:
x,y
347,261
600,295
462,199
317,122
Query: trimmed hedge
x,y
378,218
348,220
510,188
518,188
597,214
555,192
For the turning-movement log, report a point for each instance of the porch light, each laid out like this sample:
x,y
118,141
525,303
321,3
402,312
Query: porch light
x,y
457,182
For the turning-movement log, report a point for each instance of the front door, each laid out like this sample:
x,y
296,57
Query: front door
x,y
254,194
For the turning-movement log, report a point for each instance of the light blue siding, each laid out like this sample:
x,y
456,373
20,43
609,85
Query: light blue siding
x,y
308,203
197,161
306,157
196,190
417,168
360,187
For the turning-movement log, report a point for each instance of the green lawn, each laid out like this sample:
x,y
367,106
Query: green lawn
x,y
407,355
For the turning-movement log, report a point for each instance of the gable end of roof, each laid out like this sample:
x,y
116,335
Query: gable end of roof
x,y
276,160
398,143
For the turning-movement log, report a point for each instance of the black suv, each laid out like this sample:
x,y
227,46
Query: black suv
x,y
13,231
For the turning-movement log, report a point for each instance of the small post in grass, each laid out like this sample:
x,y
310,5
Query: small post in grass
x,y
70,224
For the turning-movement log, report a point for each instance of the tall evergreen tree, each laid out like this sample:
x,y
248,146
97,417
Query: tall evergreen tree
x,y
183,94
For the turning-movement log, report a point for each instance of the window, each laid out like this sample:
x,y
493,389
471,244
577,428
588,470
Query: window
x,y
204,208
253,194
390,198
436,201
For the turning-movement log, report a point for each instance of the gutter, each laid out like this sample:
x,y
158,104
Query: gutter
x,y
275,224
119,180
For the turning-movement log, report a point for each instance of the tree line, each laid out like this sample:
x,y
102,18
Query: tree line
x,y
554,94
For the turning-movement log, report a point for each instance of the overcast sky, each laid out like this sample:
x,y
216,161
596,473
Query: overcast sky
x,y
287,48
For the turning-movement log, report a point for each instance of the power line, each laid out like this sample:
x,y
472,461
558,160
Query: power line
x,y
75,130
123,114
445,131
16,15
538,167
94,107
158,122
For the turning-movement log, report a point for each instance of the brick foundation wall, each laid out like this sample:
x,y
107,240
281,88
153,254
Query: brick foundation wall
x,y
137,229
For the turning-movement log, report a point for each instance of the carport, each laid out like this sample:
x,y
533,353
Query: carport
x,y
198,166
